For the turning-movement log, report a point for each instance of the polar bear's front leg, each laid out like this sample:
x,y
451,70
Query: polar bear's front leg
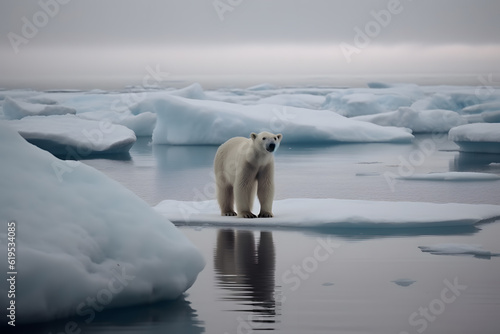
x,y
265,191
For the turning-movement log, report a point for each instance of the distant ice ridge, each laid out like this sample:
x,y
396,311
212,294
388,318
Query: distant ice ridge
x,y
83,239
192,122
14,109
419,121
458,249
335,213
478,137
68,133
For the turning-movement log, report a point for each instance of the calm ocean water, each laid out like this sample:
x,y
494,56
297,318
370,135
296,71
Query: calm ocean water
x,y
346,281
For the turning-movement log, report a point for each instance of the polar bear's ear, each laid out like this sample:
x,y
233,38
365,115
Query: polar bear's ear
x,y
253,135
279,136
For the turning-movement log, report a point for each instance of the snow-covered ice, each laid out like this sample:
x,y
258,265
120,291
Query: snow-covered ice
x,y
191,122
453,176
14,109
82,236
478,137
307,101
458,249
142,124
338,213
419,121
69,133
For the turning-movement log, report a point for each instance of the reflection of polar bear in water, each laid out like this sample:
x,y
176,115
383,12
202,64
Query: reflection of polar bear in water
x,y
244,166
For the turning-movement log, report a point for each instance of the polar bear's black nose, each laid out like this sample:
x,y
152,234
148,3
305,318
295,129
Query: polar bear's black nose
x,y
271,147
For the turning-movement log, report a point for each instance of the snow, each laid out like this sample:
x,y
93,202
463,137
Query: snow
x,y
453,176
419,121
458,249
192,122
478,137
69,133
81,235
334,213
14,109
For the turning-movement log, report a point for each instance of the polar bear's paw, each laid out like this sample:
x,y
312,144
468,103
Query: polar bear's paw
x,y
247,214
265,214
229,214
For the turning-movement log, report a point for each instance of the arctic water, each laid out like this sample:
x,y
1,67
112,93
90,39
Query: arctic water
x,y
313,281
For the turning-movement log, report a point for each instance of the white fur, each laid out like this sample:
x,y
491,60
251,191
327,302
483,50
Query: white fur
x,y
243,167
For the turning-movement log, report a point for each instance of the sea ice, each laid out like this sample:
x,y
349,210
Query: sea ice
x,y
195,122
453,176
338,213
84,242
69,133
142,124
307,101
419,121
458,249
478,137
14,109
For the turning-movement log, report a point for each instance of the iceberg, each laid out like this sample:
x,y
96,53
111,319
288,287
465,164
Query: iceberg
x,y
334,213
62,135
14,109
84,242
198,122
478,137
419,121
458,249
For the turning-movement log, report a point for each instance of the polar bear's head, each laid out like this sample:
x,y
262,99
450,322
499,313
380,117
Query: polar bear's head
x,y
266,141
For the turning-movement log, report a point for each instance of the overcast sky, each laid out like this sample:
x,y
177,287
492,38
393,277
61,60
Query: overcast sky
x,y
75,38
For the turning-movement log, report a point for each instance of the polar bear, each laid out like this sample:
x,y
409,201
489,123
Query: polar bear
x,y
244,166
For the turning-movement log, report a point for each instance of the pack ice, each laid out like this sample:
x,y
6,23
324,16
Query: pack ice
x,y
82,237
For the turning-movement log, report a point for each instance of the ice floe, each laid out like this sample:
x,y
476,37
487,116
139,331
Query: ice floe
x,y
334,213
69,133
84,242
458,249
453,176
404,282
478,137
